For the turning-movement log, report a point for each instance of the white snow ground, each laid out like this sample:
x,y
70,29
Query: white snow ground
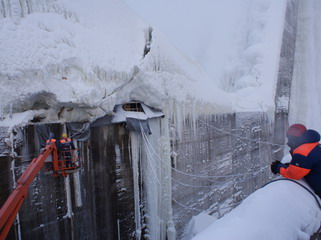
x,y
279,211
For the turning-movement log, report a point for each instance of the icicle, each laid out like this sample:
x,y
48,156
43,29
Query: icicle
x,y
16,11
10,111
118,229
135,158
171,231
68,195
1,112
165,149
77,189
157,181
13,153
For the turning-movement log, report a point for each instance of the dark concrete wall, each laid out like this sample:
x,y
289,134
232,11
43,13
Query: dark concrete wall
x,y
105,183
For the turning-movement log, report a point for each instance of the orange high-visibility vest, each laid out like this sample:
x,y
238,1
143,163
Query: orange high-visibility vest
x,y
51,140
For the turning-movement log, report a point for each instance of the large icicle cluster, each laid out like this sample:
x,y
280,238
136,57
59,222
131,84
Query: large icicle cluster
x,y
152,182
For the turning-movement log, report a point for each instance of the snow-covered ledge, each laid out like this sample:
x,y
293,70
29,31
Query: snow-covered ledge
x,y
282,210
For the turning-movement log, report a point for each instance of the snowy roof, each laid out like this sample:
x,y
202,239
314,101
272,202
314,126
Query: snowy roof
x,y
85,57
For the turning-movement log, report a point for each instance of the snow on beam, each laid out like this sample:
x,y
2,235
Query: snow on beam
x,y
282,210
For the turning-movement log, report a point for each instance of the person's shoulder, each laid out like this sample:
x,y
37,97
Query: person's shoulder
x,y
311,136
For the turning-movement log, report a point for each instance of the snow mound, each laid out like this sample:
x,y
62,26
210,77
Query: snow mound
x,y
282,210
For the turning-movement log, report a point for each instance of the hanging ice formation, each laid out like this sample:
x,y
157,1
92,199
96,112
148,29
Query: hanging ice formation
x,y
152,182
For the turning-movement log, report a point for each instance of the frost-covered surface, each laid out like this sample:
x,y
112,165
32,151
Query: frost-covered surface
x,y
76,59
69,54
69,60
199,223
258,217
237,43
152,183
217,164
305,90
247,70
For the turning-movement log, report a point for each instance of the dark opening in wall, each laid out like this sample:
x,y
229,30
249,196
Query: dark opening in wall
x,y
133,107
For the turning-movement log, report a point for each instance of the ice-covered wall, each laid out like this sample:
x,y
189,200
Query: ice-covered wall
x,y
18,9
140,185
217,162
94,203
152,182
122,191
252,139
285,74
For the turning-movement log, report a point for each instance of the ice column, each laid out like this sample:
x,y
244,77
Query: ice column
x,y
156,174
135,143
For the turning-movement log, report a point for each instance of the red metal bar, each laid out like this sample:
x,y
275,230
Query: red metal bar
x,y
4,232
9,210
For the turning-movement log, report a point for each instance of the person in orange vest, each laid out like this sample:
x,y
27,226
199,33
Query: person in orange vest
x,y
49,165
66,146
51,139
305,150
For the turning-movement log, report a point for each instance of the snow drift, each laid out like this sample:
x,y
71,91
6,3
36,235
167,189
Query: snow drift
x,y
280,210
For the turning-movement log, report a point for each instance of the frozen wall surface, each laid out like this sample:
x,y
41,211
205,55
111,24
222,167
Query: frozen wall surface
x,y
285,75
140,185
94,203
218,161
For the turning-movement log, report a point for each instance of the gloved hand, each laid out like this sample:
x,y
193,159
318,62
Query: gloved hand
x,y
274,166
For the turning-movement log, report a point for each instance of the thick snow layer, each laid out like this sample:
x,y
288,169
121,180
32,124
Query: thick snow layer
x,y
281,210
77,59
67,54
237,43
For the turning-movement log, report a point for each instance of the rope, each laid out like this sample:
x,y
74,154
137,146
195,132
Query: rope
x,y
150,146
203,176
179,203
240,137
149,153
184,184
151,165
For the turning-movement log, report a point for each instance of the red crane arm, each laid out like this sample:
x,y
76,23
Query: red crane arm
x,y
9,210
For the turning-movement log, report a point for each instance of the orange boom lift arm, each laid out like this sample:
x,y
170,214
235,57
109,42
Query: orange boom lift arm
x,y
9,210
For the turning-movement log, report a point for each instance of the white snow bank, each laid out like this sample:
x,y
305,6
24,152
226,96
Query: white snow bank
x,y
86,57
92,55
281,210
77,51
197,224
